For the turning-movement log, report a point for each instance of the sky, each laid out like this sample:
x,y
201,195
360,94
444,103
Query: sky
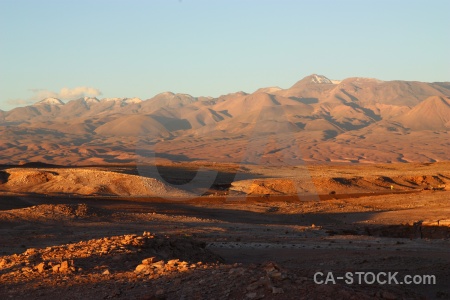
x,y
110,48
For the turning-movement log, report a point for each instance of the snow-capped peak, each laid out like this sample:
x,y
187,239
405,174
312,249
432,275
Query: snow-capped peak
x,y
320,79
132,100
112,99
165,94
123,100
90,100
50,101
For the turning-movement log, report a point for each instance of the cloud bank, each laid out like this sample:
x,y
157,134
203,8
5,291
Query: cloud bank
x,y
18,102
66,93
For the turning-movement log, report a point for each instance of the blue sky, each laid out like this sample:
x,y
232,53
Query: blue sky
x,y
112,48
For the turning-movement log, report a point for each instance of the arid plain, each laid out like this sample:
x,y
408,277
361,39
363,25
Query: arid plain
x,y
244,196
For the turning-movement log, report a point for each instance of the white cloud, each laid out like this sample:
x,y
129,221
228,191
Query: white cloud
x,y
66,93
78,92
18,102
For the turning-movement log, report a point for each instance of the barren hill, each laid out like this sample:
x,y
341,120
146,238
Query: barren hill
x,y
431,114
82,182
133,125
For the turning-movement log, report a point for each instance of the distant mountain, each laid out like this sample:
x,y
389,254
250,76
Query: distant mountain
x,y
431,114
371,91
349,104
365,90
91,100
50,101
311,80
356,119
122,101
37,112
78,108
133,125
167,100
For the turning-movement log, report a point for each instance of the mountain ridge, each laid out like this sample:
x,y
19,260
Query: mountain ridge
x,y
328,120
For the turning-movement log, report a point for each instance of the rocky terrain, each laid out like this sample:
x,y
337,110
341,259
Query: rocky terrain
x,y
265,241
88,182
173,180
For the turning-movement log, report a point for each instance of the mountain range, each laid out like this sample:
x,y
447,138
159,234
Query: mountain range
x,y
315,120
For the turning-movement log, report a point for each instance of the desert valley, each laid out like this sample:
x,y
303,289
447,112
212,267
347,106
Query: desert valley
x,y
242,196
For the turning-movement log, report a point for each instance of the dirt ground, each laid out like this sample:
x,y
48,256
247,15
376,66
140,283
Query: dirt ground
x,y
230,244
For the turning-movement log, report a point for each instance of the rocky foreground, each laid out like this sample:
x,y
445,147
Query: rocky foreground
x,y
156,267
250,250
